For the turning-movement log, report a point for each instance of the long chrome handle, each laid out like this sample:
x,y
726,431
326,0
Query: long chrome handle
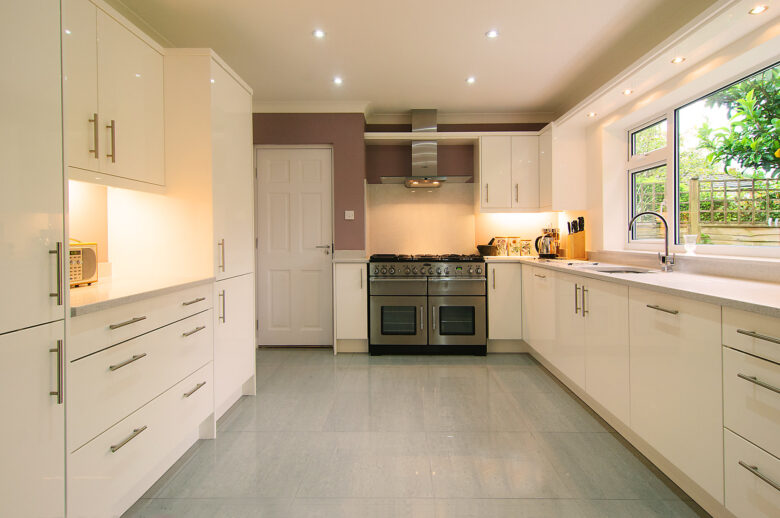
x,y
659,308
221,245
197,388
222,298
584,306
197,329
126,322
135,358
494,279
58,252
445,279
517,192
487,193
753,334
132,436
754,470
60,369
433,323
112,127
753,379
540,276
576,298
327,252
193,301
360,273
422,318
96,133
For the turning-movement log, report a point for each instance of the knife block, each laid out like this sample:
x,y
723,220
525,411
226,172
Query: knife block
x,y
575,246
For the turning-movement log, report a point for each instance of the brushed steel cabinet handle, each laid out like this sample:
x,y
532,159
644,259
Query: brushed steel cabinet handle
x,y
753,334
360,273
193,301
60,369
221,317
221,245
517,192
197,388
422,319
753,379
58,252
659,308
126,322
576,298
132,436
494,279
96,133
112,127
433,323
197,329
487,193
584,311
754,470
118,366
540,276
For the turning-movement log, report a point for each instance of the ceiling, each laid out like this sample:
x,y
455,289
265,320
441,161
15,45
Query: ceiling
x,y
402,54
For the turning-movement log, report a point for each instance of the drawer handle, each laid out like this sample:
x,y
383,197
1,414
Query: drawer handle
x,y
541,276
753,334
753,379
132,436
193,301
135,358
190,333
197,388
126,322
659,308
754,470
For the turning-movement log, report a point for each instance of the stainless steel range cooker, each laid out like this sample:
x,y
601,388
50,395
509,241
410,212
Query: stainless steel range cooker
x,y
428,304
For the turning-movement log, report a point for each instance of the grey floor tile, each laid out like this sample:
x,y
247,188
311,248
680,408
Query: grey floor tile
x,y
522,379
210,508
273,411
397,411
557,411
362,508
641,509
350,412
509,508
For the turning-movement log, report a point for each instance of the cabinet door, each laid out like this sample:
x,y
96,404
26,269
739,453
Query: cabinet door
x,y
676,383
496,172
606,345
525,172
31,197
569,351
545,170
544,303
130,89
234,337
233,184
351,302
80,81
32,438
505,300
527,309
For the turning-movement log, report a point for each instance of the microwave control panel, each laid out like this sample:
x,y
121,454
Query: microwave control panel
x,y
76,264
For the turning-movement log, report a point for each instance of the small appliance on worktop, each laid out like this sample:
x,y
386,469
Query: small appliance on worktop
x,y
427,304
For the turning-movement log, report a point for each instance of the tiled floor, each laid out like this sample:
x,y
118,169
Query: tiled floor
x,y
411,436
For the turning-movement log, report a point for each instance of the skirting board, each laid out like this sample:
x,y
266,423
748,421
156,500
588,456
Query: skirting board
x,y
699,495
507,346
351,346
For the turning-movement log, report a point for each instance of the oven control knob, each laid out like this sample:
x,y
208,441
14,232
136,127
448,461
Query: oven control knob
x,y
430,271
376,271
407,270
446,271
438,270
414,269
392,271
470,271
479,270
384,271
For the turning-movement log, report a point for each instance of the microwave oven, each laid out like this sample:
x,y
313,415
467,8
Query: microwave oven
x,y
83,259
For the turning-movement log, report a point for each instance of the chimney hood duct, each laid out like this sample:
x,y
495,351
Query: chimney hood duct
x,y
425,166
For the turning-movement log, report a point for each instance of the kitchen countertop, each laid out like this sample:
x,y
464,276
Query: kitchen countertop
x,y
350,260
109,293
747,295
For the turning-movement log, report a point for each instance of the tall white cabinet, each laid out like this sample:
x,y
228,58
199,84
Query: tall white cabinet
x,y
31,233
509,173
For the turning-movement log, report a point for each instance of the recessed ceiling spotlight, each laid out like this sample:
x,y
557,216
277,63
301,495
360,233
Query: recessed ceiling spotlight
x,y
758,9
318,33
678,60
337,80
628,91
591,115
471,80
67,31
492,33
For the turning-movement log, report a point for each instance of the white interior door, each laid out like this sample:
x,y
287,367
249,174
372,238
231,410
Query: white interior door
x,y
294,212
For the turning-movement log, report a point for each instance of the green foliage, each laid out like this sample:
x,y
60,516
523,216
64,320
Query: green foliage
x,y
752,138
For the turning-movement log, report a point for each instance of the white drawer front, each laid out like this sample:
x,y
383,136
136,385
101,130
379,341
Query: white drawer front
x,y
747,495
751,407
92,332
107,386
102,482
753,333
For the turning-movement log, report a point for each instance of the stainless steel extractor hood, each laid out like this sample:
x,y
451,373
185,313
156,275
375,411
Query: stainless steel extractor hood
x,y
425,165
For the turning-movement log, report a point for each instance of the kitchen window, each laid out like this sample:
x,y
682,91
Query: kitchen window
x,y
649,183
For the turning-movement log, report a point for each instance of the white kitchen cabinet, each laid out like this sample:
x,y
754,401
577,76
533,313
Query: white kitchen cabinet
x,y
233,182
114,120
509,173
234,339
541,311
545,168
505,301
568,353
32,455
676,383
529,301
748,495
351,298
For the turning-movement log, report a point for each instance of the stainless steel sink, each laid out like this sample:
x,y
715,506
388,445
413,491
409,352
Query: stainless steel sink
x,y
620,269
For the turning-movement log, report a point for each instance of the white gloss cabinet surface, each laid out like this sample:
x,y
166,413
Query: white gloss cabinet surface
x,y
525,172
31,197
568,354
32,455
676,383
545,169
351,298
747,495
495,172
505,301
752,333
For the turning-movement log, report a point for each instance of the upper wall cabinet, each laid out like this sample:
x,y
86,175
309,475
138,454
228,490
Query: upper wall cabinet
x,y
509,173
113,79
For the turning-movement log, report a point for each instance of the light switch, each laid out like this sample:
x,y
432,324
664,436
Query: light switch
x,y
349,214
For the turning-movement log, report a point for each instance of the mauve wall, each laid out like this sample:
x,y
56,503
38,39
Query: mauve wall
x,y
344,131
394,160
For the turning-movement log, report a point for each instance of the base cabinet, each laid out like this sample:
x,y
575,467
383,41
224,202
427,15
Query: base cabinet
x,y
32,438
351,301
676,383
750,472
505,301
568,354
541,329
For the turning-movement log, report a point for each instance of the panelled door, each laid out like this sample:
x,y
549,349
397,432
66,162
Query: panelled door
x,y
294,221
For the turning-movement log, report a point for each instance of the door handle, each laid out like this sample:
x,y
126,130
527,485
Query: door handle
x,y
327,252
60,369
112,127
584,311
221,245
659,308
494,279
222,296
422,318
433,309
753,334
134,358
126,323
96,133
576,298
517,192
755,380
132,436
197,329
193,301
754,470
360,272
197,388
58,252
487,193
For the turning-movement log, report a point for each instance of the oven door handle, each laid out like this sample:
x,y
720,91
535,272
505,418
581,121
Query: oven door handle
x,y
422,318
472,279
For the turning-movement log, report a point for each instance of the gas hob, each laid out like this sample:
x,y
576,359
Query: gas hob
x,y
452,265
